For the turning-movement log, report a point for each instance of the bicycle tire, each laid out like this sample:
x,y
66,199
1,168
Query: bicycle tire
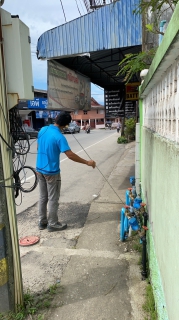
x,y
22,148
22,170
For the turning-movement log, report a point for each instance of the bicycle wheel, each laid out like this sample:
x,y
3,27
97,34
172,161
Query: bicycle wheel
x,y
22,145
28,179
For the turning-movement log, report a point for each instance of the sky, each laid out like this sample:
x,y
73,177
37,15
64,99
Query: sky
x,y
40,16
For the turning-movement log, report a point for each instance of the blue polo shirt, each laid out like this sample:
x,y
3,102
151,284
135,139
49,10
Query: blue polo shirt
x,y
51,142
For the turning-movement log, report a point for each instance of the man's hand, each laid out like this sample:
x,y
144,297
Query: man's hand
x,y
91,163
74,157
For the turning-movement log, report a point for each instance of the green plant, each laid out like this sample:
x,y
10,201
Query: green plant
x,y
134,63
122,139
137,246
53,289
149,305
33,304
155,6
130,125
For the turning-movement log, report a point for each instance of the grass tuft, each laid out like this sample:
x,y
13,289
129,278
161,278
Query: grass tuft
x,y
149,305
34,304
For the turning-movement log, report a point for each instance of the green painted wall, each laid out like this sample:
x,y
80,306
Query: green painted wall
x,y
159,160
141,126
160,181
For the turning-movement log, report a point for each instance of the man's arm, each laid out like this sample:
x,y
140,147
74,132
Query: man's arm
x,y
74,157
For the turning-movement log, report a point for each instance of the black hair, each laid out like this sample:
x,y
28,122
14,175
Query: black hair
x,y
63,118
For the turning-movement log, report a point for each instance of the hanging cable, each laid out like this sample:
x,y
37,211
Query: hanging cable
x,y
98,87
121,201
78,7
82,7
63,10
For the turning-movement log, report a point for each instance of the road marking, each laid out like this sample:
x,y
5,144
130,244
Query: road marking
x,y
79,152
89,146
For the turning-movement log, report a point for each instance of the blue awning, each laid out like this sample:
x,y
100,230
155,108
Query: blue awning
x,y
112,26
95,43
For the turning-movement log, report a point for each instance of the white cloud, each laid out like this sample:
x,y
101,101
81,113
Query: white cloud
x,y
40,16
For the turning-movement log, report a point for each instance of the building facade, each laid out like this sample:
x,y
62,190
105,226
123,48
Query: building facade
x,y
95,117
36,114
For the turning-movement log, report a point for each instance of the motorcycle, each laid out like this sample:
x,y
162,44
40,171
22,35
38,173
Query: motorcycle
x,y
88,130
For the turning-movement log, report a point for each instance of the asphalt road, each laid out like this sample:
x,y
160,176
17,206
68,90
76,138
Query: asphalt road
x,y
80,183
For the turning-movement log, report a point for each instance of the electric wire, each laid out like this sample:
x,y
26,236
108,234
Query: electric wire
x,y
18,162
10,147
98,86
63,10
6,142
121,201
82,7
78,7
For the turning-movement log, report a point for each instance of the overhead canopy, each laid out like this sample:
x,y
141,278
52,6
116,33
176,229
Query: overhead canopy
x,y
95,43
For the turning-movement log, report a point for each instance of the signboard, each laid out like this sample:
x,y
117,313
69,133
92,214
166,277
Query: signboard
x,y
132,91
113,103
67,90
44,114
37,103
115,107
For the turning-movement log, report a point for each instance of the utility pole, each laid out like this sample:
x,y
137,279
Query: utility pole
x,y
6,261
11,291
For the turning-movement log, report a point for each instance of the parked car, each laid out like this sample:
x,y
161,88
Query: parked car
x,y
72,128
31,133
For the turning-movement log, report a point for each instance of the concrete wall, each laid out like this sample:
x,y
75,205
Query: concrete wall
x,y
159,171
160,180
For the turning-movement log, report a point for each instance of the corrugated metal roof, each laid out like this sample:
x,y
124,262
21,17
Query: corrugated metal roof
x,y
112,26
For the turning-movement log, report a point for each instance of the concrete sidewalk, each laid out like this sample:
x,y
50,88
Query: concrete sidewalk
x,y
102,280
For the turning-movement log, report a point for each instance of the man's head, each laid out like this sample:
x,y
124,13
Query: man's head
x,y
63,119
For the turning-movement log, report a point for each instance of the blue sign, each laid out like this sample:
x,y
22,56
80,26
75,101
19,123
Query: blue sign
x,y
46,114
38,103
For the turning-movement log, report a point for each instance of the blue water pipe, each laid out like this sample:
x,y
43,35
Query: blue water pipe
x,y
132,182
122,228
134,224
126,222
162,23
137,202
127,198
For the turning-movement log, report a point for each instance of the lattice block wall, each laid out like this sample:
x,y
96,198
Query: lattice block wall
x,y
161,106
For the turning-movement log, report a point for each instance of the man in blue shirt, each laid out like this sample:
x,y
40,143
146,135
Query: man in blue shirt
x,y
51,142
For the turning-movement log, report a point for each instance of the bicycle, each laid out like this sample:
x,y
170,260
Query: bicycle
x,y
20,139
25,180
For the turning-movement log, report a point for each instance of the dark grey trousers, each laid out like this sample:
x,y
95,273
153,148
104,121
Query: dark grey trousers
x,y
49,190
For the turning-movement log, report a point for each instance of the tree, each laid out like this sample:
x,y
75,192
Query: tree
x,y
152,13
